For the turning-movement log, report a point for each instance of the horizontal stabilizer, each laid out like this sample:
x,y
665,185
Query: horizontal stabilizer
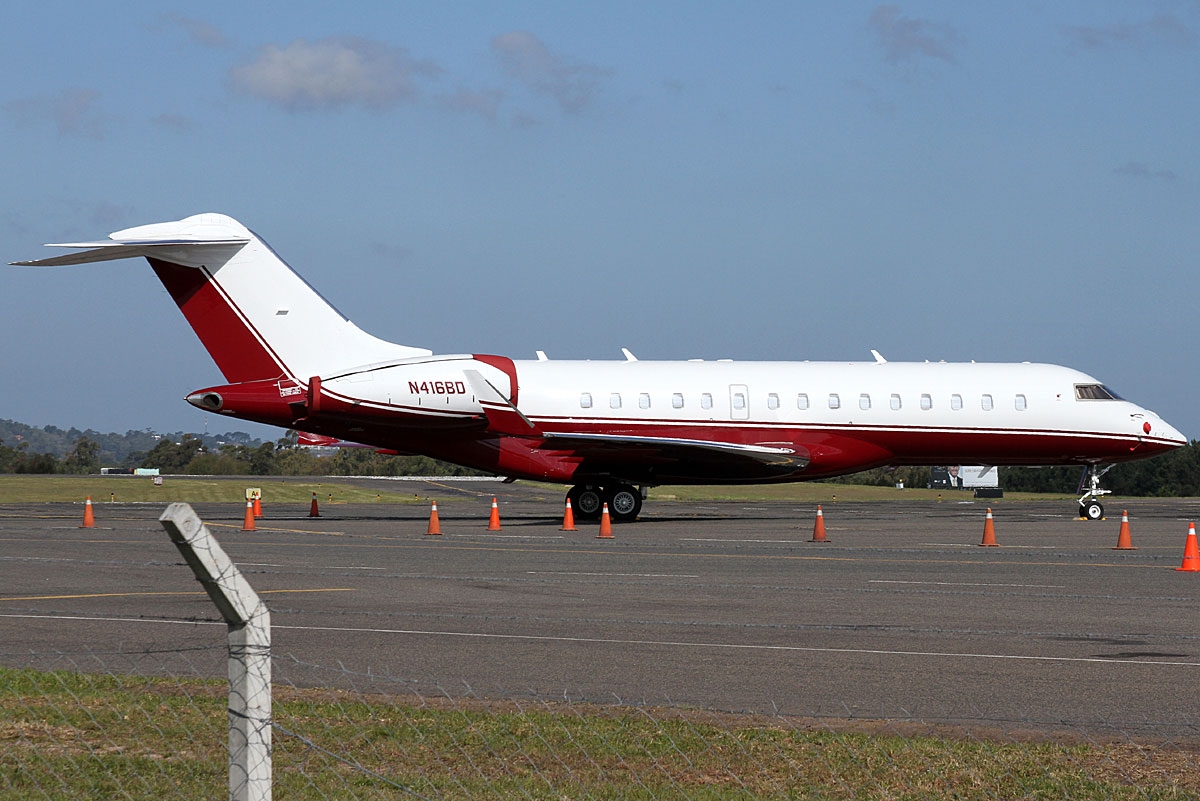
x,y
257,318
180,251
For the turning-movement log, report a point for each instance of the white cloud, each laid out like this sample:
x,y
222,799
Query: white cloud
x,y
525,57
904,38
331,73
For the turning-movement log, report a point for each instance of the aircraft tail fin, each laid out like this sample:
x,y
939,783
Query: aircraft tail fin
x,y
257,318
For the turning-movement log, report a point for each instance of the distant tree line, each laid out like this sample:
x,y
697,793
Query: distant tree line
x,y
1174,474
189,455
24,449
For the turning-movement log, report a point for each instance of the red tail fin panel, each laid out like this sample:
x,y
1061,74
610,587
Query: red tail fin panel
x,y
232,345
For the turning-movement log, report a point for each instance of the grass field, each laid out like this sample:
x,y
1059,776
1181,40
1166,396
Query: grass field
x,y
200,489
189,489
73,735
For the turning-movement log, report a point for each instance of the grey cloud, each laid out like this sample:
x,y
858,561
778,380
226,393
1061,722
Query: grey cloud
x,y
72,112
525,57
199,31
904,38
333,72
485,103
177,123
1164,30
1138,169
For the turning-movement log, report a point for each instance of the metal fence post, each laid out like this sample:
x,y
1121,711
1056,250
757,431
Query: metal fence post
x,y
249,651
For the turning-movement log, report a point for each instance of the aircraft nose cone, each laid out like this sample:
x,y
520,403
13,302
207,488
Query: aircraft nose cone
x,y
1160,429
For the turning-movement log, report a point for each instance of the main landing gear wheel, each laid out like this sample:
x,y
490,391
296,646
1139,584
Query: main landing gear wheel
x,y
586,501
625,503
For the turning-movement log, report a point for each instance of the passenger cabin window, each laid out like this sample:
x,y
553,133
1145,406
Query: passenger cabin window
x,y
864,401
677,400
802,400
894,402
614,400
1094,392
739,400
956,402
772,401
986,403
1019,403
926,401
706,400
585,400
835,401
644,400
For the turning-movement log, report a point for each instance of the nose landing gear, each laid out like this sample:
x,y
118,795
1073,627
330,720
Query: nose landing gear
x,y
1090,507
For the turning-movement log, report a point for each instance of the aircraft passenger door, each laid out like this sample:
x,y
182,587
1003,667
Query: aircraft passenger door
x,y
739,402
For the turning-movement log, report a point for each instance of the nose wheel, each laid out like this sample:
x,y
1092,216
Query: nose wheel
x,y
1090,507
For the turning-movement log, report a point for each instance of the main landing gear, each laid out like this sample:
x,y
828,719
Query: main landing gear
x,y
1089,507
624,501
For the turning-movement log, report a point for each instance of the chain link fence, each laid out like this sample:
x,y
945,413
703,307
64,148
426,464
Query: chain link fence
x,y
71,727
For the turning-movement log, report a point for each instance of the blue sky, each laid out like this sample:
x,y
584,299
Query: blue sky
x,y
998,182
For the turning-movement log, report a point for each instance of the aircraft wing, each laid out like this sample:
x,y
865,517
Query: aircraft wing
x,y
672,456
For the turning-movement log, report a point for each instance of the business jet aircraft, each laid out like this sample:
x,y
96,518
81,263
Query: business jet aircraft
x,y
610,428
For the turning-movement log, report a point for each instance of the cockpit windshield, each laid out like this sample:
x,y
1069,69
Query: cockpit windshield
x,y
1094,392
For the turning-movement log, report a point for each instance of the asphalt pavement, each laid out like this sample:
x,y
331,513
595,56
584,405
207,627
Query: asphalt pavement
x,y
900,615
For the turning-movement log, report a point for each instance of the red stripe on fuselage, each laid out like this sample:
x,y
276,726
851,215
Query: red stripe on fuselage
x,y
239,353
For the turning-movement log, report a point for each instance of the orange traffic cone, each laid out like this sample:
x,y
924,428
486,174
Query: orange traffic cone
x,y
314,510
89,517
989,531
819,527
248,523
435,527
1191,552
605,525
1124,543
494,520
257,508
568,519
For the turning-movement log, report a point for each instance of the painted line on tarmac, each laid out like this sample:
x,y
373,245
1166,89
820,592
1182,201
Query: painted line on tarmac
x,y
269,529
976,545
156,594
655,643
511,536
968,584
323,567
722,539
735,646
621,575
